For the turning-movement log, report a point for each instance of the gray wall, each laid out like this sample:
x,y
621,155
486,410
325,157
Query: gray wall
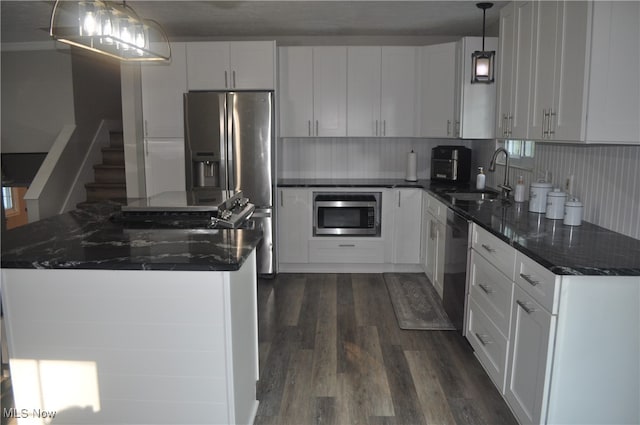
x,y
37,99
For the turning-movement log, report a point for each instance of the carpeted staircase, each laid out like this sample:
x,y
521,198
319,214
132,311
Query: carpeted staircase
x,y
109,181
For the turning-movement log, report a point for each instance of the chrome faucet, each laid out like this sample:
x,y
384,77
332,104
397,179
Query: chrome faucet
x,y
492,167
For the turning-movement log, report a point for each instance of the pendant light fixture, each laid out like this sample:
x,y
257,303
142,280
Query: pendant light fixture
x,y
109,28
482,62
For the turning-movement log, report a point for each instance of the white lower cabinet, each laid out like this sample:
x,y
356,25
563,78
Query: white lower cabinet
x,y
489,344
435,218
550,343
531,336
294,225
346,250
407,219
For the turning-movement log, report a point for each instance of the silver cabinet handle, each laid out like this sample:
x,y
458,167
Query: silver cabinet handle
x,y
505,125
347,245
551,131
448,127
384,127
483,339
234,79
281,199
485,288
457,128
317,128
146,127
488,248
309,127
525,307
399,198
529,279
509,124
545,123
226,82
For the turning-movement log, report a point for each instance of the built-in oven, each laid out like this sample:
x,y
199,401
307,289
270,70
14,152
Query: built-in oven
x,y
346,213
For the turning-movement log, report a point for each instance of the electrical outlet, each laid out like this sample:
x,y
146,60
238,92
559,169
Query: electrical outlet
x,y
568,185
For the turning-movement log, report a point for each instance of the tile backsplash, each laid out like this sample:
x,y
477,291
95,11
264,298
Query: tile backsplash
x,y
606,178
355,157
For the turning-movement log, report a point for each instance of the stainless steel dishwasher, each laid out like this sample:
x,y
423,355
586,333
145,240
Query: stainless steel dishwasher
x,y
455,268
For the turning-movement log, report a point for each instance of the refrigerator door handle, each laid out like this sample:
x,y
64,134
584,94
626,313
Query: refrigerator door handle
x,y
231,172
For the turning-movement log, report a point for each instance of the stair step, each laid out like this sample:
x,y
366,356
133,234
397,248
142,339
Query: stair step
x,y
89,204
103,191
116,139
113,155
107,173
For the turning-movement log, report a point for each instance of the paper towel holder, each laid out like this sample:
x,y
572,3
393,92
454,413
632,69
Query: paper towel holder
x,y
411,174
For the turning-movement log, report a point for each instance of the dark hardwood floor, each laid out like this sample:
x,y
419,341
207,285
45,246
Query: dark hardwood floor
x,y
331,352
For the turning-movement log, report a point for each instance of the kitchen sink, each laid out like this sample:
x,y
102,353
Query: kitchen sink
x,y
473,196
477,196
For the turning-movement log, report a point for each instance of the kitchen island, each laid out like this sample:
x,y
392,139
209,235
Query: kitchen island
x,y
114,324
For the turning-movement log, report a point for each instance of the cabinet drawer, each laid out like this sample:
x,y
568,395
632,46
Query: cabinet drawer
x,y
492,291
499,253
489,344
538,282
346,251
437,208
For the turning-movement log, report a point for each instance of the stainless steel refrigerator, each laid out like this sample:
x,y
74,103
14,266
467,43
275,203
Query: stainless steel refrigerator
x,y
229,144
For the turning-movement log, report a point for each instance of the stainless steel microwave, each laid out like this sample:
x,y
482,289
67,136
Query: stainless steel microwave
x,y
346,213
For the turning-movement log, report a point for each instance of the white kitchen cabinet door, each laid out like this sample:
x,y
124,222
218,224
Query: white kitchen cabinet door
x,y
548,19
208,66
407,225
221,65
399,90
363,91
504,68
164,165
329,91
532,330
296,91
252,65
438,72
163,86
614,96
294,225
513,76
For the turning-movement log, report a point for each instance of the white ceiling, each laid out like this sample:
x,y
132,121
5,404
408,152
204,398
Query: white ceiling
x,y
28,21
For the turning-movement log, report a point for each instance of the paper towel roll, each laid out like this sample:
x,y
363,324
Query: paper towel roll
x,y
411,167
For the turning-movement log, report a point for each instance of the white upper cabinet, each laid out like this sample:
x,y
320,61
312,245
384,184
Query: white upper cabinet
x,y
330,91
243,65
312,91
295,91
382,91
398,91
475,104
163,86
363,91
451,105
583,72
437,87
614,87
513,73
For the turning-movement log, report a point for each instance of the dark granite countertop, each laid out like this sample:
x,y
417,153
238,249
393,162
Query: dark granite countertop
x,y
586,250
91,239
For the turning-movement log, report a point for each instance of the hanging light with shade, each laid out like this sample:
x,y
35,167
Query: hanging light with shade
x,y
109,28
482,62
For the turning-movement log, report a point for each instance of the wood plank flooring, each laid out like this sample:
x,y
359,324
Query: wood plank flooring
x,y
331,352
